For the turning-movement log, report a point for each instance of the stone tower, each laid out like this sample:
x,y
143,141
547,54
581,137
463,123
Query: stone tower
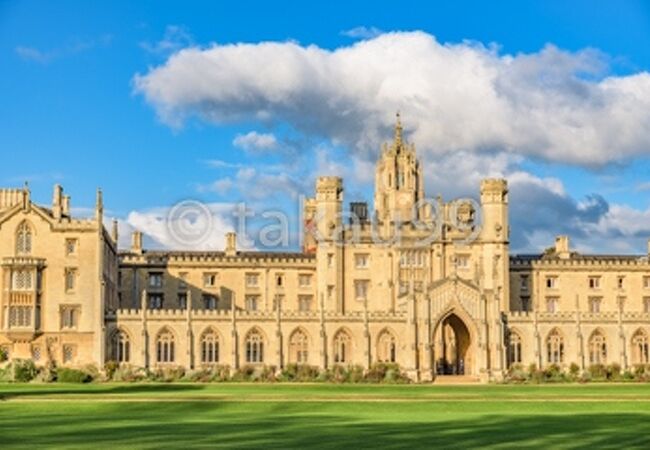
x,y
398,181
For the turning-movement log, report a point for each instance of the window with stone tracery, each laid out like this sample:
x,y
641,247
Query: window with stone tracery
x,y
386,347
597,348
299,347
514,348
23,239
640,348
121,347
22,280
341,347
20,316
555,348
209,347
165,347
254,347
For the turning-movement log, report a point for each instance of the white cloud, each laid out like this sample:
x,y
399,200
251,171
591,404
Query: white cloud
x,y
221,186
205,229
552,104
256,141
175,38
220,164
644,186
362,32
34,54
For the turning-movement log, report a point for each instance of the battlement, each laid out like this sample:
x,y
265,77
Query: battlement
x,y
494,185
329,184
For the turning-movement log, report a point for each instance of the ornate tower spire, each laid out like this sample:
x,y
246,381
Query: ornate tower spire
x,y
398,180
398,131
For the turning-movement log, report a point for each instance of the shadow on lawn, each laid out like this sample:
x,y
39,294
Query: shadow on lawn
x,y
30,390
294,426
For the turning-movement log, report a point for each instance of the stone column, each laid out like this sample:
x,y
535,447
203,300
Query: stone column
x,y
190,334
323,334
366,335
278,332
234,337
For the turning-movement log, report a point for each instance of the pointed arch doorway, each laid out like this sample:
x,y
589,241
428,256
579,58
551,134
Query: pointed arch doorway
x,y
453,350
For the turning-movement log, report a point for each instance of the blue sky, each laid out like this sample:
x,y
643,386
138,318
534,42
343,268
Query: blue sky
x,y
271,94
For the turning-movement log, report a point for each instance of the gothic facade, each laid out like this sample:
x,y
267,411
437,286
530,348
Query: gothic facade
x,y
428,285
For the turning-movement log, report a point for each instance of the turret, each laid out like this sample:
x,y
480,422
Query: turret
x,y
231,244
136,242
329,202
562,249
494,205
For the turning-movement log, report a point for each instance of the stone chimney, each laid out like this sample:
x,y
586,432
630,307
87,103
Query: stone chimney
x,y
57,201
562,247
114,231
231,244
648,247
136,242
65,205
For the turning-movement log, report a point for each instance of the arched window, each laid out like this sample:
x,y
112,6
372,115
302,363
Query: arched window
x,y
386,347
341,347
299,347
165,347
640,348
23,239
254,347
597,348
121,347
555,348
514,348
209,347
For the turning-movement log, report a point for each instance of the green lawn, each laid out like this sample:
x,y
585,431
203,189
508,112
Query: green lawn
x,y
323,416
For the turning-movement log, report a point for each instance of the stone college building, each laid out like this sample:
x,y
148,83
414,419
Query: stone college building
x,y
430,286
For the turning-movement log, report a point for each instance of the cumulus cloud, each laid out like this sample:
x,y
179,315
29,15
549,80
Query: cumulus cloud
x,y
203,228
552,104
253,141
472,111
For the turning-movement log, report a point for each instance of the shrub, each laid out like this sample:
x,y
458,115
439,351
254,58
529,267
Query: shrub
x,y
6,373
244,373
209,374
128,373
598,372
554,373
344,374
516,374
385,373
614,372
46,374
574,371
110,368
166,374
24,370
4,355
69,375
299,372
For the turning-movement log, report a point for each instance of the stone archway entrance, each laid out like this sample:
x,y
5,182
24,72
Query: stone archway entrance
x,y
453,346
